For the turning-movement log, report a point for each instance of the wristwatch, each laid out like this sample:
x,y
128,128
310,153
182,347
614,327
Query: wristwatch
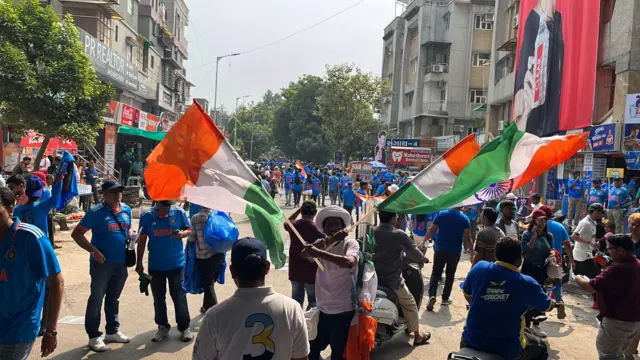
x,y
51,332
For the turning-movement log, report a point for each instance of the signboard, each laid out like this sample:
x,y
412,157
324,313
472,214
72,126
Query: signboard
x,y
599,167
129,116
602,137
410,156
11,155
112,112
148,122
380,150
403,142
588,162
361,167
632,159
337,158
108,63
110,136
615,172
632,109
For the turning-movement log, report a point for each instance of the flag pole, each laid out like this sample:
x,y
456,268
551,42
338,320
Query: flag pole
x,y
364,217
295,231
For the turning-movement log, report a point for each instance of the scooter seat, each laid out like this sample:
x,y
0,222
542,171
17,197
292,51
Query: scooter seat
x,y
388,293
380,294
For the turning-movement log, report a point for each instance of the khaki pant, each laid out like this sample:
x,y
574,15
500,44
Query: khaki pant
x,y
409,307
615,216
617,340
575,210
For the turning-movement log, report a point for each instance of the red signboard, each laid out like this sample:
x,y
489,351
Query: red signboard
x,y
410,156
129,116
35,140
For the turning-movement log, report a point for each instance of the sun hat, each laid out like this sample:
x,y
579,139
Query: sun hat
x,y
332,211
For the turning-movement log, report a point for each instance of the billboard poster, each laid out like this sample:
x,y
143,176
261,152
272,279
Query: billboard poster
x,y
410,156
129,116
632,159
602,137
112,111
380,150
110,137
631,137
632,109
337,158
556,61
403,142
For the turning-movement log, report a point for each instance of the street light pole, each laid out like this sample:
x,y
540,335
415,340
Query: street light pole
x,y
235,123
215,91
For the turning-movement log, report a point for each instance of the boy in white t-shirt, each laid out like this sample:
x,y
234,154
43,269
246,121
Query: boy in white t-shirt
x,y
256,321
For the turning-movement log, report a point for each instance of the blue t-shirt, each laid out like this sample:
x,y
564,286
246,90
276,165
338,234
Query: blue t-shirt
x,y
375,181
500,295
472,214
194,209
348,197
288,180
419,227
451,227
36,213
617,196
317,186
333,183
165,251
90,175
559,233
575,193
597,196
106,235
632,185
297,187
345,180
22,282
380,190
46,195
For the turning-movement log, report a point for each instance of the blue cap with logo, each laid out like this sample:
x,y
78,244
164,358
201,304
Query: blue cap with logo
x,y
246,247
34,187
112,185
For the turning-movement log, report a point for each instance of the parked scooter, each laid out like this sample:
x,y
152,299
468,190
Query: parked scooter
x,y
386,309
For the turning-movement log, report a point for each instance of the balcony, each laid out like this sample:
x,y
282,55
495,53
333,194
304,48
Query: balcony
x,y
408,87
435,72
444,109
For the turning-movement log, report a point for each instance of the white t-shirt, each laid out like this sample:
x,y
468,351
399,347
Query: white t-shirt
x,y
511,230
587,229
335,284
255,321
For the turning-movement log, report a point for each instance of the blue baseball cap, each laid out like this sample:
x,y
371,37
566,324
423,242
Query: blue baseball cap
x,y
34,187
246,247
349,184
112,185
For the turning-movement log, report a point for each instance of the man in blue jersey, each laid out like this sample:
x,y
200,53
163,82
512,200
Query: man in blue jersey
x,y
619,198
576,192
316,187
109,223
35,211
333,188
499,295
349,198
288,182
597,195
27,263
164,226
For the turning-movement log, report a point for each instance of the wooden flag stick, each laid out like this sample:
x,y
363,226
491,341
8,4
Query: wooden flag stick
x,y
362,219
295,231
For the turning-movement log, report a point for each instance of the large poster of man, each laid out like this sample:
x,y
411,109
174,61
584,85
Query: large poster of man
x,y
380,150
556,65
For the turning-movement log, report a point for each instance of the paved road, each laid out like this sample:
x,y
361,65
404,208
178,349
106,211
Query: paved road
x,y
572,338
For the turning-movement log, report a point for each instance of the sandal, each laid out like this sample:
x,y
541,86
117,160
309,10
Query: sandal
x,y
425,339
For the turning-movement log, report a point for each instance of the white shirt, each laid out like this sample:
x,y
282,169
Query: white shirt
x,y
335,285
511,230
587,229
255,321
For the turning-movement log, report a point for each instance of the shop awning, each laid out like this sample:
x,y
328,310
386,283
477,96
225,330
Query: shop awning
x,y
153,135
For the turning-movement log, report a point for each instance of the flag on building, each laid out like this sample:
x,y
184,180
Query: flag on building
x,y
302,171
195,162
468,174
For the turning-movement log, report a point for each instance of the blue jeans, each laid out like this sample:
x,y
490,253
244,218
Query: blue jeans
x,y
107,282
178,296
297,293
557,291
287,196
15,351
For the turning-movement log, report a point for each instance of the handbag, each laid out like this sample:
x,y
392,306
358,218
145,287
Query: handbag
x,y
129,254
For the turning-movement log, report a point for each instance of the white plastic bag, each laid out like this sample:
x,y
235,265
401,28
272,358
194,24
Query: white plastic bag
x,y
312,317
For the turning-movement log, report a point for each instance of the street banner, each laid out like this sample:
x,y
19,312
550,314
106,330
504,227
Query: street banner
x,y
380,150
615,173
403,143
602,137
632,109
410,156
556,62
337,159
129,116
110,138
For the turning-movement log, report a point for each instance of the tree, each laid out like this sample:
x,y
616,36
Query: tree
x,y
255,138
347,104
47,82
297,126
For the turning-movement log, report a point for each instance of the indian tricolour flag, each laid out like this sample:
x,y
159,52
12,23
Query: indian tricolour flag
x,y
468,174
195,162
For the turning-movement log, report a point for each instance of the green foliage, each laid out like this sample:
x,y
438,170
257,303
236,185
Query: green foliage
x,y
255,139
347,104
297,126
47,82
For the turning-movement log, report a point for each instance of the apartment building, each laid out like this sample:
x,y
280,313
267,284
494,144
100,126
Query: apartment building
x,y
436,59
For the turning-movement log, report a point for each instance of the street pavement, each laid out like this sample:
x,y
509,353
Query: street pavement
x,y
571,338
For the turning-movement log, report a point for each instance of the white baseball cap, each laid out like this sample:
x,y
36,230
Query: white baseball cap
x,y
511,196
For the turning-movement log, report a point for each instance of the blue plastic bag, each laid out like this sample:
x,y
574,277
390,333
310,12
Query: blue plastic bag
x,y
220,232
191,273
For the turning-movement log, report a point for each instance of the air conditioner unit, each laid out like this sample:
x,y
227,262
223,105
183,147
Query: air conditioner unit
x,y
437,68
458,128
515,22
441,83
488,17
500,125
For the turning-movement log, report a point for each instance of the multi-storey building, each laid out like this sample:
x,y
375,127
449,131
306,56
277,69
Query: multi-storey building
x,y
436,58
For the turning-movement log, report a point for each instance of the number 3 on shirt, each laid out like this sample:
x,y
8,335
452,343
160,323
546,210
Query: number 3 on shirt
x,y
262,338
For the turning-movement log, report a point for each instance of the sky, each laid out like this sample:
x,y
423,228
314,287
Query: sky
x,y
220,27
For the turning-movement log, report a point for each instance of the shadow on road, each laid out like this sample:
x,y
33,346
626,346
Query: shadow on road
x,y
140,346
557,329
397,348
439,318
583,316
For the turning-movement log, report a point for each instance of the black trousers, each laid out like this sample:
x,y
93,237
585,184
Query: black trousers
x,y
349,209
333,330
539,274
587,268
442,260
209,270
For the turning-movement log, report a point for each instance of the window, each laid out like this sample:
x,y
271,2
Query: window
x,y
104,29
143,58
478,96
153,58
447,19
414,65
129,53
116,33
481,24
178,26
130,6
481,60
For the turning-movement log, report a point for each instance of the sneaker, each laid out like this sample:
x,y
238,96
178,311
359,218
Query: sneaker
x,y
537,332
446,302
431,304
186,336
117,338
162,333
561,311
97,345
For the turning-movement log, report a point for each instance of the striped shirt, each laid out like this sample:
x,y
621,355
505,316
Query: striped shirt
x,y
198,223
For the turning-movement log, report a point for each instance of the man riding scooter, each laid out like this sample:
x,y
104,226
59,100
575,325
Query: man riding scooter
x,y
391,244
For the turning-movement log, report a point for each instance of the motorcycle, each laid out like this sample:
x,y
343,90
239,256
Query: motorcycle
x,y
472,354
387,310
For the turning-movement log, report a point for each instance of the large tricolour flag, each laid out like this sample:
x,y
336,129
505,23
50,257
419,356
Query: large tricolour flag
x,y
195,162
468,174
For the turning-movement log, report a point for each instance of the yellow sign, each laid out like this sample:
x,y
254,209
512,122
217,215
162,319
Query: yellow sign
x,y
615,173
